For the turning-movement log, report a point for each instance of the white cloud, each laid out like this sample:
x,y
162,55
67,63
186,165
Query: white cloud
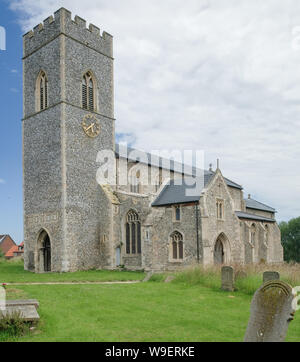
x,y
222,76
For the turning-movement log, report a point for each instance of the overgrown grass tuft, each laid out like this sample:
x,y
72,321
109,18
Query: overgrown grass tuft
x,y
248,278
12,326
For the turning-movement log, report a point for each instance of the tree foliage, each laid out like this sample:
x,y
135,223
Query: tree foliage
x,y
290,236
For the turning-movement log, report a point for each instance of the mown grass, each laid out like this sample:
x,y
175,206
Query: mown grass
x,y
191,308
13,271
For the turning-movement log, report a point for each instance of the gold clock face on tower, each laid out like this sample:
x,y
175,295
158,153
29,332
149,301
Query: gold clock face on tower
x,y
91,125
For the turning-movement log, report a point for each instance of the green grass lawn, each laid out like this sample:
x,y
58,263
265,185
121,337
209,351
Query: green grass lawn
x,y
179,311
12,271
140,312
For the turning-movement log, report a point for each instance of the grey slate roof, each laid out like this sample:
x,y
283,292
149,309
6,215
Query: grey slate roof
x,y
171,193
253,204
245,215
177,194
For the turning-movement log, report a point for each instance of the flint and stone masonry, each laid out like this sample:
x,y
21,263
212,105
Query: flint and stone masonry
x,y
73,223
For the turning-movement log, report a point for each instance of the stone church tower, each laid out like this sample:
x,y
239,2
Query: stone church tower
x,y
68,99
73,223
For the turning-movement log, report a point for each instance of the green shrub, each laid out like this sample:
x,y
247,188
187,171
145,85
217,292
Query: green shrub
x,y
12,325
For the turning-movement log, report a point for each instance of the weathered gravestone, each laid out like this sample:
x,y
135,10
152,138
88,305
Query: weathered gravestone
x,y
271,312
26,312
270,275
227,276
27,309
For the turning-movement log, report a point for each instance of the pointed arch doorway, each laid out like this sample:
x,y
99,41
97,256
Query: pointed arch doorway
x,y
221,250
44,252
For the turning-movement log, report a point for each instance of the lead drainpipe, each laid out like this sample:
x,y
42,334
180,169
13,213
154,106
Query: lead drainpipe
x,y
197,231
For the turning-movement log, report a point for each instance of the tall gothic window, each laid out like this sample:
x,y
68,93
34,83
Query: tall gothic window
x,y
88,92
42,91
133,233
177,245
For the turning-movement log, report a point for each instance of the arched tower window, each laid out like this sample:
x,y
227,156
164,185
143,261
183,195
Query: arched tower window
x,y
42,91
176,246
133,233
88,92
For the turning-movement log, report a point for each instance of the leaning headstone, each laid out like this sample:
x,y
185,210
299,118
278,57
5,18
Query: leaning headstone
x,y
270,275
169,278
271,312
227,276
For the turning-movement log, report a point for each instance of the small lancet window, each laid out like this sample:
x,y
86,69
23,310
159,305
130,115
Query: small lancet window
x,y
42,91
88,92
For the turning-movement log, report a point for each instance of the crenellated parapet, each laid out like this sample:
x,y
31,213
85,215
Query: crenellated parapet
x,y
62,23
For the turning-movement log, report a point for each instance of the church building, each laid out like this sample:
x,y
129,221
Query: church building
x,y
71,222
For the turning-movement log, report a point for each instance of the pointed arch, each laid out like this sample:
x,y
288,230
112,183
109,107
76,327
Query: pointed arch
x,y
88,91
222,250
41,91
176,246
133,233
43,252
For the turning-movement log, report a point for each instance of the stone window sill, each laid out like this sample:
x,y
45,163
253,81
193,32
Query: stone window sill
x,y
179,261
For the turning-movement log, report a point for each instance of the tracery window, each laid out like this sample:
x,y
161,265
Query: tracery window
x,y
177,246
42,91
133,233
88,92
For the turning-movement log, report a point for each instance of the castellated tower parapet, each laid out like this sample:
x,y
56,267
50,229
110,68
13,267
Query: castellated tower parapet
x,y
76,29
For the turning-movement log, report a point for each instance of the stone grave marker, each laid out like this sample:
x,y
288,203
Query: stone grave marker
x,y
27,309
270,275
227,277
27,312
271,312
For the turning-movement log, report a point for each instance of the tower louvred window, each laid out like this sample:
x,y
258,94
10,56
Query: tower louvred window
x,y
43,91
88,92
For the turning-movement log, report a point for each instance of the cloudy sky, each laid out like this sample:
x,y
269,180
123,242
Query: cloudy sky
x,y
219,76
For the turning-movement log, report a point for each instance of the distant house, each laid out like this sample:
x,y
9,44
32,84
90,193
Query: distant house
x,y
6,243
15,251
